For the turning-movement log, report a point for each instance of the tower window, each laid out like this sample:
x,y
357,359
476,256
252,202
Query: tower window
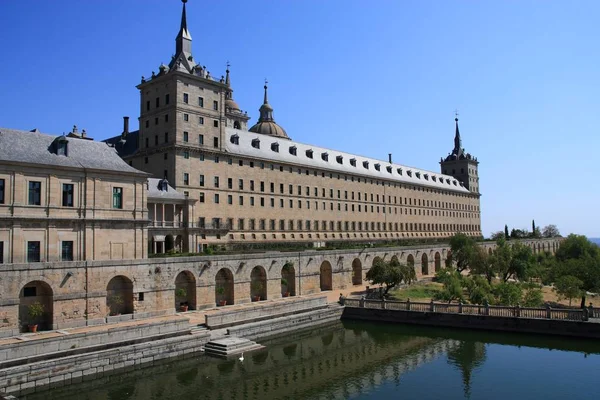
x,y
157,102
216,143
216,123
186,117
185,137
201,101
185,98
200,120
215,105
186,178
147,105
167,98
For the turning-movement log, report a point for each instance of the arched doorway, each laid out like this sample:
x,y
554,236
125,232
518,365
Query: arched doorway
x,y
224,287
410,261
438,261
36,306
357,272
119,296
377,260
169,243
326,276
288,280
179,244
258,284
185,291
424,264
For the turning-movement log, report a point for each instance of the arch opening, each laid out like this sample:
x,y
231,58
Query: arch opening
x,y
288,281
424,264
224,293
438,262
36,302
357,278
326,277
258,284
119,296
185,291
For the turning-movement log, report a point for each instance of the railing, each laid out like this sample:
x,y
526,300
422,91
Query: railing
x,y
167,224
474,309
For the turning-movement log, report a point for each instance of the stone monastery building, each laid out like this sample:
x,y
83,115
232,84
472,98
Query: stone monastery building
x,y
257,184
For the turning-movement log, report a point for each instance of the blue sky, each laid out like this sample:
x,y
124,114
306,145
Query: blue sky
x,y
369,77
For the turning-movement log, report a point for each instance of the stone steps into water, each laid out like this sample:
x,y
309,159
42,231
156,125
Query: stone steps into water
x,y
230,346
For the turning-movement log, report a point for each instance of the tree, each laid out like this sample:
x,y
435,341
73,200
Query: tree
x,y
578,257
550,231
478,289
481,263
506,236
390,274
519,233
463,249
521,262
496,235
532,295
508,293
568,287
452,290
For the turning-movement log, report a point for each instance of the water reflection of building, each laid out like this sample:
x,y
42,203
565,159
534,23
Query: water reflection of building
x,y
331,362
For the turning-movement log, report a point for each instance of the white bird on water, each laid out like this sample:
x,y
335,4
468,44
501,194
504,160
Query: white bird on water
x,y
242,358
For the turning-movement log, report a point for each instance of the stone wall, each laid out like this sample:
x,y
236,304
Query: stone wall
x,y
77,293
506,324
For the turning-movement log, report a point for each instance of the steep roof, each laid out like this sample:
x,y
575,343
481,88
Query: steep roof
x,y
288,151
156,190
38,148
124,146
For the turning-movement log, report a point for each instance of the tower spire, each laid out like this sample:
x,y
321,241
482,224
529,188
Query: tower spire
x,y
457,141
227,82
266,101
184,39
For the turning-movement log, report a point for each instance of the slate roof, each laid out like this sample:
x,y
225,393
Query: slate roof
x,y
272,148
125,147
37,148
155,192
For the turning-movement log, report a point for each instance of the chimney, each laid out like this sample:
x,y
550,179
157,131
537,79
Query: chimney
x,y
390,157
125,127
83,134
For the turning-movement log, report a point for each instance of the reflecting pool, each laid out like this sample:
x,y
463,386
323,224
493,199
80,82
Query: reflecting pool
x,y
360,360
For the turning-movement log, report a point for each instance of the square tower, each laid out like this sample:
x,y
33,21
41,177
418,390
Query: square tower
x,y
461,165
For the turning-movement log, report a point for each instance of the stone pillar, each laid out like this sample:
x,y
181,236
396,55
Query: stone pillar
x,y
174,213
163,215
154,214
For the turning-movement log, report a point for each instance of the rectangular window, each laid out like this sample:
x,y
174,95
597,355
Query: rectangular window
x,y
201,197
157,102
241,200
241,184
186,155
67,195
200,120
1,252
33,251
229,199
66,253
216,123
185,137
216,198
216,181
166,99
201,139
156,140
35,193
186,178
166,117
117,197
186,117
148,105
229,183
201,180
2,191
201,101
215,105
185,98
216,143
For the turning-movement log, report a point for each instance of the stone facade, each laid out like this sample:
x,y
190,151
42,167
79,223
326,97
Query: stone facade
x,y
194,134
82,293
58,209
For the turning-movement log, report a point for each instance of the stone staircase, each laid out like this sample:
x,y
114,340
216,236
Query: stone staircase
x,y
230,346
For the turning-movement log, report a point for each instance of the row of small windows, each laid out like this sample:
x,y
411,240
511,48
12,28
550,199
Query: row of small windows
x,y
347,195
185,100
34,255
34,194
272,167
293,150
319,225
360,208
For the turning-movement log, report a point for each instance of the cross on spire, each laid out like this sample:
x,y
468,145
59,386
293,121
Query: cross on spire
x,y
456,114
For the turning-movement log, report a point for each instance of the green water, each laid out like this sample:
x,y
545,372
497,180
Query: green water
x,y
369,361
